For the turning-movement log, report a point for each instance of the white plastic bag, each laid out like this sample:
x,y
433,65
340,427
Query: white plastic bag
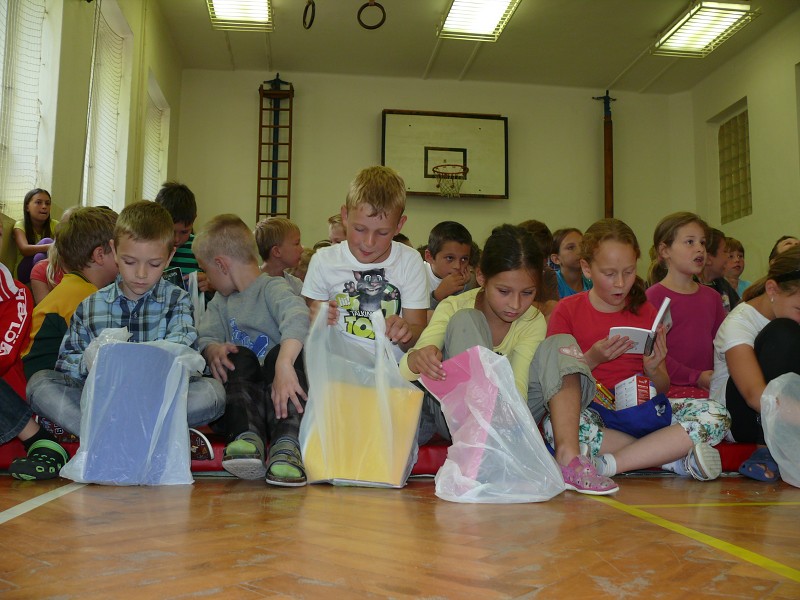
x,y
198,298
780,418
497,455
360,422
133,416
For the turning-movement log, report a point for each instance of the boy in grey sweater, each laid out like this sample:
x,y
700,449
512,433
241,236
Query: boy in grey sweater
x,y
252,338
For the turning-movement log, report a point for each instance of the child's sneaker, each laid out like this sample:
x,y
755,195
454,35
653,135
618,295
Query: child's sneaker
x,y
199,446
44,461
703,463
285,464
244,457
580,476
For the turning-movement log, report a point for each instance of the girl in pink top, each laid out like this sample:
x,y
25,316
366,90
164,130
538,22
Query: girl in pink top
x,y
609,252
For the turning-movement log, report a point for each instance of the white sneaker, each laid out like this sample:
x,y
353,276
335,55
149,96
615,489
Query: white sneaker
x,y
703,462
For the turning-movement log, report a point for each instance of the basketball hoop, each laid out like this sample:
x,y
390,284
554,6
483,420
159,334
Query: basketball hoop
x,y
449,179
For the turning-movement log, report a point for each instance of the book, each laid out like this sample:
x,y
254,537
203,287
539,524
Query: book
x,y
644,339
175,276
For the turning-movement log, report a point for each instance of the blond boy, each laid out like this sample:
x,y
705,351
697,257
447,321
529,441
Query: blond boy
x,y
279,246
252,337
336,229
139,299
371,272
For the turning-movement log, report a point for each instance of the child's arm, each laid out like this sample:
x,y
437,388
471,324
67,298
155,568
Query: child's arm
x,y
315,306
24,247
452,284
432,336
405,331
746,374
180,324
285,386
607,350
216,355
71,354
655,366
426,361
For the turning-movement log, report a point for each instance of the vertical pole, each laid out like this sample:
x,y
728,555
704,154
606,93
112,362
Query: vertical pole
x,y
608,154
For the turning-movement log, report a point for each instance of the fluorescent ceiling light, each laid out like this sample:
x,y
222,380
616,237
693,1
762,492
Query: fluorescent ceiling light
x,y
702,28
241,15
481,20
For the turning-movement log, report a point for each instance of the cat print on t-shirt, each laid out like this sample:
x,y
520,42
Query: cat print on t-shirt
x,y
369,291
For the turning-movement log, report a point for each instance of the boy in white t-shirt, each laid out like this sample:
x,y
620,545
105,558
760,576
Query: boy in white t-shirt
x,y
369,271
447,261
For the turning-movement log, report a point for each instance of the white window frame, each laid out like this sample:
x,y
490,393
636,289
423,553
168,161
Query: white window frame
x,y
156,140
110,11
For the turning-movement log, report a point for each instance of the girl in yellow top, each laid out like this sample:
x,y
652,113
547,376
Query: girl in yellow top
x,y
549,373
34,233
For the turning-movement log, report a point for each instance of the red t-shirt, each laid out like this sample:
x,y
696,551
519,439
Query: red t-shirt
x,y
15,327
576,315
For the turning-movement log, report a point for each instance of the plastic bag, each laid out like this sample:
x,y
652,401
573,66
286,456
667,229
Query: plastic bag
x,y
197,297
133,424
780,418
360,422
498,455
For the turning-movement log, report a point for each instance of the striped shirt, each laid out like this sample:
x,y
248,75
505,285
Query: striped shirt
x,y
163,313
184,257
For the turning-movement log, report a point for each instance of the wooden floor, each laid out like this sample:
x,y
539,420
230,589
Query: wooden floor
x,y
659,537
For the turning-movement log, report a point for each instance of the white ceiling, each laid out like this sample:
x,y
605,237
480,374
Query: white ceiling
x,y
576,43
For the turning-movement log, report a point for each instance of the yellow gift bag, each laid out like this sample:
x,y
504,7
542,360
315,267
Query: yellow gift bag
x,y
360,422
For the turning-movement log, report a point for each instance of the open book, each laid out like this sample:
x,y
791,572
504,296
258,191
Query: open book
x,y
644,339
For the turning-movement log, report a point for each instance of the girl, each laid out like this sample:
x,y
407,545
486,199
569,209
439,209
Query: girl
x,y
34,233
758,341
679,254
500,315
566,254
608,257
784,243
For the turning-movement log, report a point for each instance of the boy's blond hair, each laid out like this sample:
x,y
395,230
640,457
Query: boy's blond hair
x,y
145,221
225,235
87,228
271,232
335,219
379,187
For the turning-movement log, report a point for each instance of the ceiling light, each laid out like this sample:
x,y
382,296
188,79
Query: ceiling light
x,y
703,27
481,20
241,15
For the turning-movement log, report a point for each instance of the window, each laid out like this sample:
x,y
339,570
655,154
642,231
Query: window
x,y
156,136
735,194
109,108
21,58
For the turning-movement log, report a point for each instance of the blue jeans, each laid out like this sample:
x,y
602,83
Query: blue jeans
x,y
14,413
57,397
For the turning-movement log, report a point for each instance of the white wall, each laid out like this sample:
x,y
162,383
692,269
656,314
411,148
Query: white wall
x,y
555,149
768,76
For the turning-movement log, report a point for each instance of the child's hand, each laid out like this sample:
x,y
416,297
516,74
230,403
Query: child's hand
x,y
216,356
704,380
203,284
607,350
286,387
333,311
397,329
451,284
427,361
658,355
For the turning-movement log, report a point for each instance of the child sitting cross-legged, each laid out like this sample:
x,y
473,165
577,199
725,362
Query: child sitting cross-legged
x,y
279,246
252,337
139,299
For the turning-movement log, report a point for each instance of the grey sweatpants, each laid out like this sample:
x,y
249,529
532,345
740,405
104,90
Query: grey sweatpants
x,y
556,357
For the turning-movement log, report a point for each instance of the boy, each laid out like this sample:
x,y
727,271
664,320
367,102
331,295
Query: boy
x,y
716,259
45,456
83,245
447,259
735,265
336,230
279,246
370,271
179,201
252,338
139,299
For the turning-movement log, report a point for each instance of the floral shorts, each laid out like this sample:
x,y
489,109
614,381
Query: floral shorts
x,y
706,422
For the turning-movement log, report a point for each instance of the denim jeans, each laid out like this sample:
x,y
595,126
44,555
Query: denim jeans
x,y
14,413
57,397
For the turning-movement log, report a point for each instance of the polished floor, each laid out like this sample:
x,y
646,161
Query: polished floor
x,y
659,537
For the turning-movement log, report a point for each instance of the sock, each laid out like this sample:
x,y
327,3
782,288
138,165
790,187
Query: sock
x,y
42,434
677,466
283,468
605,465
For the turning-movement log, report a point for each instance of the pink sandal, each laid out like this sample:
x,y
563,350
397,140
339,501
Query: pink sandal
x,y
581,476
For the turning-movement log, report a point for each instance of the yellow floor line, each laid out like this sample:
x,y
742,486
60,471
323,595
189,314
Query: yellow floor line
x,y
732,549
41,500
715,504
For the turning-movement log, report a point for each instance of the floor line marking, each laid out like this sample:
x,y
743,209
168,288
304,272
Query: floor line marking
x,y
715,504
41,500
732,549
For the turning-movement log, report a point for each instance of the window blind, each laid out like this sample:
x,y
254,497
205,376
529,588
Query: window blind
x,y
153,176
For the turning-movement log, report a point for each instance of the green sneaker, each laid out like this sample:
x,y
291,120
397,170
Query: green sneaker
x,y
244,457
44,461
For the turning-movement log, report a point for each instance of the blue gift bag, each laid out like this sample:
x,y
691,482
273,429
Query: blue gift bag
x,y
639,420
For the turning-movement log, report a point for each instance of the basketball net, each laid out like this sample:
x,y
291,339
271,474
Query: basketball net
x,y
449,179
